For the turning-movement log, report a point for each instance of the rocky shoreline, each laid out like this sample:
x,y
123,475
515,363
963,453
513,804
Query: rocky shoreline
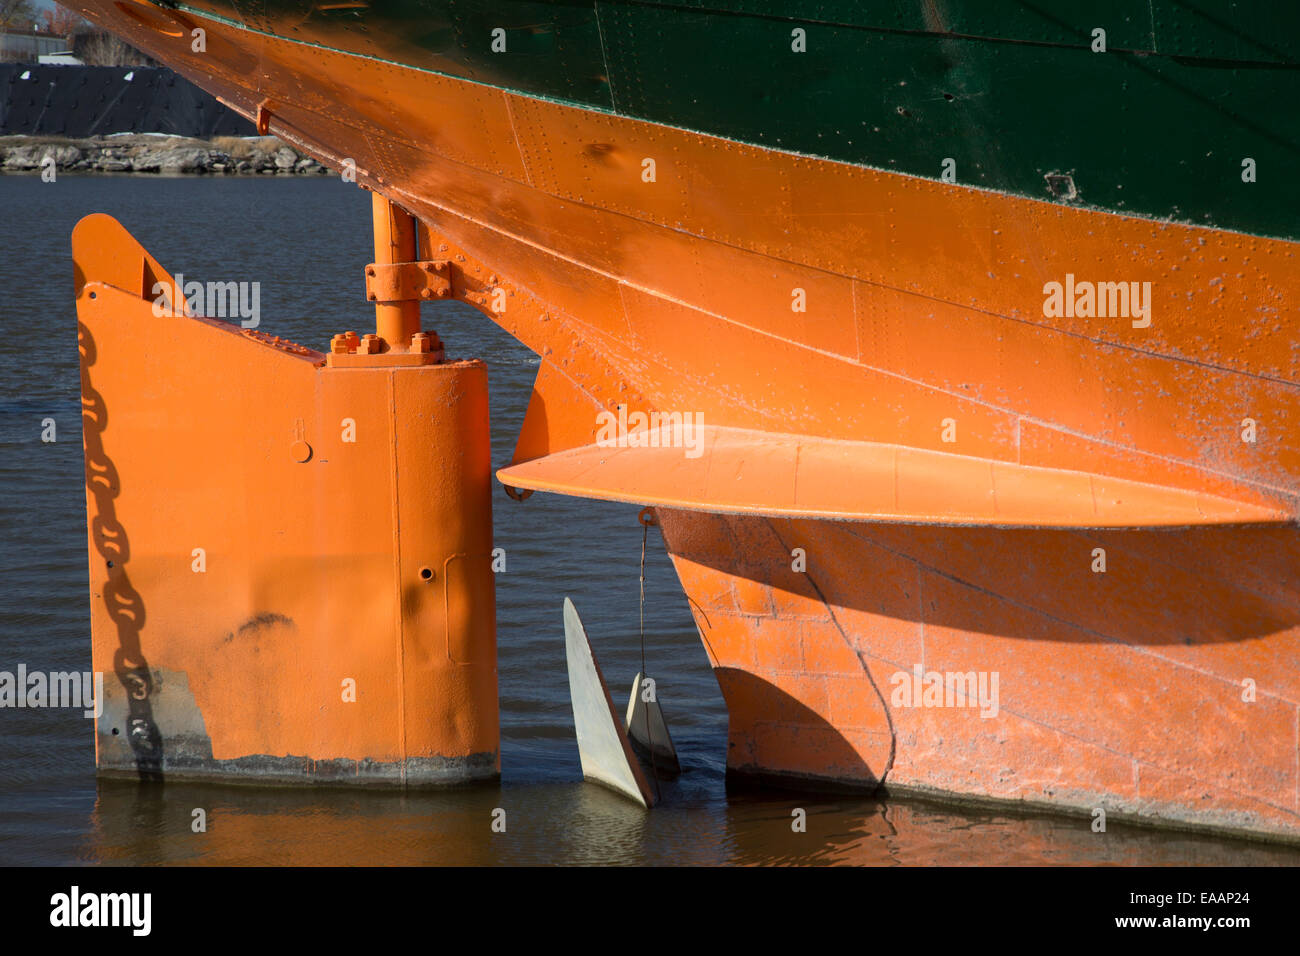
x,y
154,153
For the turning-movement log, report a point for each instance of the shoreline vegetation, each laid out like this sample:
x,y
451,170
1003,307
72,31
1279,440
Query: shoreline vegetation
x,y
155,153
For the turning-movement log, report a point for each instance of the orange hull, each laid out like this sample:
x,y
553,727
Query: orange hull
x,y
1120,691
1165,686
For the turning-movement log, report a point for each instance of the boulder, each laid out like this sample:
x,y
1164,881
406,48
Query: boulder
x,y
22,157
185,159
65,156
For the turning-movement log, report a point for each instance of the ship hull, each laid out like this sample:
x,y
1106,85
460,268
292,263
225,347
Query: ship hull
x,y
998,666
769,290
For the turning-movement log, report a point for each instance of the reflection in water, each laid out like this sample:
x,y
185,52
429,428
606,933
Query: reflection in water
x,y
912,833
581,824
550,823
54,811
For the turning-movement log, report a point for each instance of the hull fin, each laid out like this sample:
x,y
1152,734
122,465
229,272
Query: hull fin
x,y
603,747
739,471
648,729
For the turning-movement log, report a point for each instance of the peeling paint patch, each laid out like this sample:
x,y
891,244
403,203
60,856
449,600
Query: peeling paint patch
x,y
1061,185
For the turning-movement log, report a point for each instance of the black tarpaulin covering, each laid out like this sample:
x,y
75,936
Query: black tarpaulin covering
x,y
79,101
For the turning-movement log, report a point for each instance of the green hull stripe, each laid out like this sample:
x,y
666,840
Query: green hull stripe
x,y
1011,99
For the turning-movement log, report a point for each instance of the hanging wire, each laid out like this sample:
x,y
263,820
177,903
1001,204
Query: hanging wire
x,y
646,517
645,533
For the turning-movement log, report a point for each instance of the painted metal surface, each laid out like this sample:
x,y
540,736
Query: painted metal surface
x,y
1161,689
735,471
1157,122
397,315
290,571
603,748
646,727
922,303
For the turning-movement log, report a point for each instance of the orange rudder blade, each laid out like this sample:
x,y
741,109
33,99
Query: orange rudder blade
x,y
290,563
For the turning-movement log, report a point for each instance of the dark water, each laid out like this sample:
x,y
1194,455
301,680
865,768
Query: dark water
x,y
306,241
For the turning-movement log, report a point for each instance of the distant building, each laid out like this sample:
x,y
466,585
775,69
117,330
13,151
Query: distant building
x,y
29,47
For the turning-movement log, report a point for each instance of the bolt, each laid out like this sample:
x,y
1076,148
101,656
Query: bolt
x,y
425,293
442,291
370,270
339,345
